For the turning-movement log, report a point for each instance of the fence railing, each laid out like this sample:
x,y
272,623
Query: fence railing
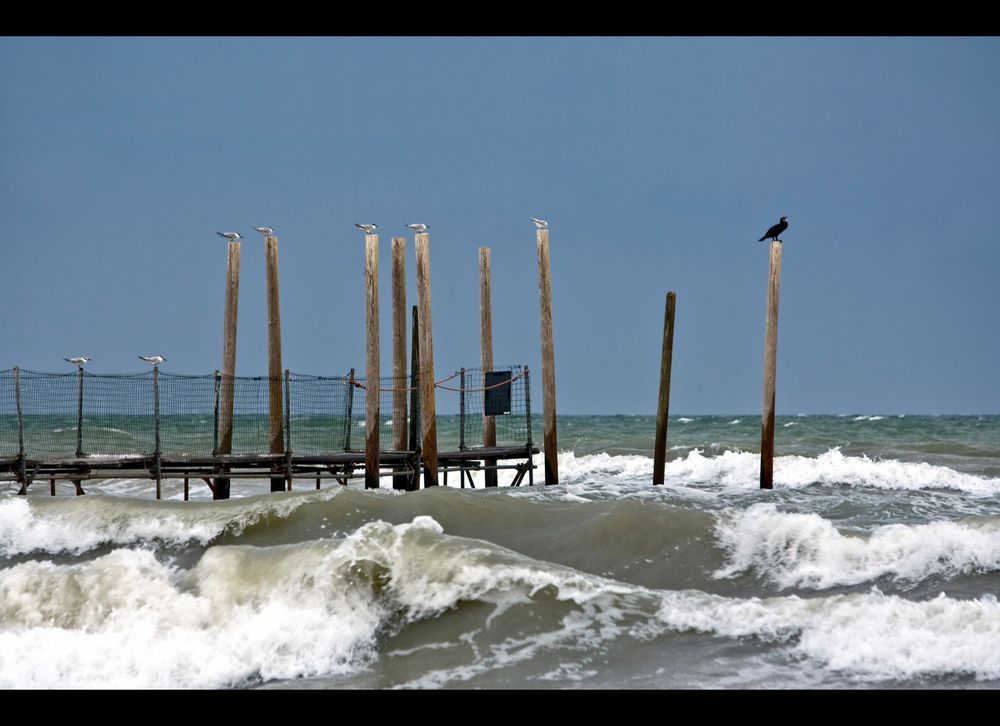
x,y
54,416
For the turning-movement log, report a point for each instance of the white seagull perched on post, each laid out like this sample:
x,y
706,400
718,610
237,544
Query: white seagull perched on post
x,y
368,228
417,227
153,360
80,361
266,231
231,236
540,223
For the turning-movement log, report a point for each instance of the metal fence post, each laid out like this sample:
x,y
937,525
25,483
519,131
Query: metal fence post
x,y
215,420
527,408
461,414
350,411
156,427
288,433
21,463
79,417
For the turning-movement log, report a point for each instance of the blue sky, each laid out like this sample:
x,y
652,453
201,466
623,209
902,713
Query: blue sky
x,y
657,161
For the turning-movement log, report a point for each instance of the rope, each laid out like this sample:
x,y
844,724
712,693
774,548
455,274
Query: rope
x,y
485,388
407,389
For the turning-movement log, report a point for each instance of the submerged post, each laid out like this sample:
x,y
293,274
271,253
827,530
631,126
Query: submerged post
x,y
770,364
79,415
400,437
227,382
548,359
663,406
277,437
156,428
486,353
414,481
428,413
371,362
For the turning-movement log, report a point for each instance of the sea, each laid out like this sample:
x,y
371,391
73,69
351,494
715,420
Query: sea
x,y
873,563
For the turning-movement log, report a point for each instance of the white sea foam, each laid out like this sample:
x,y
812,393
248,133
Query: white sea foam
x,y
742,469
682,419
867,636
805,550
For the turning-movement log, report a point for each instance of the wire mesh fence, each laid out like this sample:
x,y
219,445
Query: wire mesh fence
x,y
388,423
8,416
187,414
80,414
512,428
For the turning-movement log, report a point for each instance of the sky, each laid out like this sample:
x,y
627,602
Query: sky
x,y
658,163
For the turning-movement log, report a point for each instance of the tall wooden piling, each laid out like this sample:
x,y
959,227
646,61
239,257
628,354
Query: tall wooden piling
x,y
227,381
428,414
371,362
486,350
413,483
275,408
770,365
399,377
663,406
548,359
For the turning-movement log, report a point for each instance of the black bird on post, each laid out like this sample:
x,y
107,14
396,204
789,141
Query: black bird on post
x,y
775,230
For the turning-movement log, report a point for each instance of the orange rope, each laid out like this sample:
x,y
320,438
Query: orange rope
x,y
485,388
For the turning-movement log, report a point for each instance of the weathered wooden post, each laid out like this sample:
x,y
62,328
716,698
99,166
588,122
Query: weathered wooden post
x,y
486,352
770,364
227,382
371,363
79,415
399,428
663,407
428,413
414,481
277,438
548,358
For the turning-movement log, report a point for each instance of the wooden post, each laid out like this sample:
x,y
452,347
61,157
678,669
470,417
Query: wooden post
x,y
277,439
288,430
770,364
228,379
371,362
399,427
187,489
486,350
663,407
428,413
548,359
414,482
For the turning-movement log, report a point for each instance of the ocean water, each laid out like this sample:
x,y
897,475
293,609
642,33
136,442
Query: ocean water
x,y
873,563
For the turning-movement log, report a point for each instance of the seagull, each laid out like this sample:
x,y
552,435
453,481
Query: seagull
x,y
417,227
153,360
540,223
368,228
231,236
80,361
777,229
266,231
